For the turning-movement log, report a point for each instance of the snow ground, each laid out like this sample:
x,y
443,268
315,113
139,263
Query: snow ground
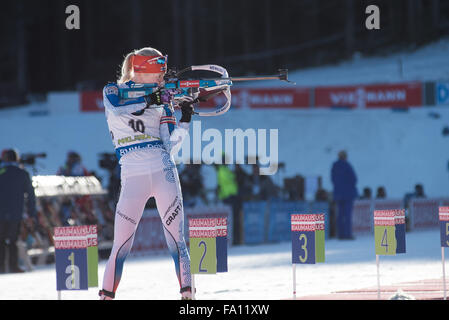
x,y
260,272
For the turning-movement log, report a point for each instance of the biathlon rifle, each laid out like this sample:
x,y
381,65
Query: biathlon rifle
x,y
201,89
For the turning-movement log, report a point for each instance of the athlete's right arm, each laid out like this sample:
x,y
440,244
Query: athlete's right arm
x,y
119,106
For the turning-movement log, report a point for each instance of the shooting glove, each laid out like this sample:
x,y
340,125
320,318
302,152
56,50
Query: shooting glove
x,y
159,97
187,111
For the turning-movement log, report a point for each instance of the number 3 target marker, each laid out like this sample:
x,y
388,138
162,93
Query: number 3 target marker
x,y
308,236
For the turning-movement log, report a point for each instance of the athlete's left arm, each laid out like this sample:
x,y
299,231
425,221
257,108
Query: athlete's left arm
x,y
171,132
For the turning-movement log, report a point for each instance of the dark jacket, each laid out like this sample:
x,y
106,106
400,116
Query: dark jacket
x,y
344,180
14,184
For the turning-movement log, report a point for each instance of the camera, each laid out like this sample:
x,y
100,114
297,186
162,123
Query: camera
x,y
30,158
108,161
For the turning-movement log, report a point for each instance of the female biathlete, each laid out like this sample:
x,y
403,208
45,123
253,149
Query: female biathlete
x,y
145,136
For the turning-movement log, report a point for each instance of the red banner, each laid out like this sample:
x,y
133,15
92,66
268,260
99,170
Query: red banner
x,y
370,96
400,95
91,101
263,98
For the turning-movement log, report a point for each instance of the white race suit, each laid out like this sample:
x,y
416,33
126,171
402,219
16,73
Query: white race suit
x,y
144,141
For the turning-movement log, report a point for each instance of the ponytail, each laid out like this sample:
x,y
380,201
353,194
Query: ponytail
x,y
127,71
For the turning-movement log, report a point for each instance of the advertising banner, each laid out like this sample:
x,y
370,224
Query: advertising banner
x,y
442,93
400,95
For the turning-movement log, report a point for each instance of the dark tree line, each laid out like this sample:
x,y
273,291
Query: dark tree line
x,y
39,54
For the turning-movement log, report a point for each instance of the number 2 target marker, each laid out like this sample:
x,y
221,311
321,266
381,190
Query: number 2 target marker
x,y
208,247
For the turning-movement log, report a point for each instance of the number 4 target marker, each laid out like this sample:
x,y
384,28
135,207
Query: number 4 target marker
x,y
389,236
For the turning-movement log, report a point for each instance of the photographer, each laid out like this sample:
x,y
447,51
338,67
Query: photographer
x,y
15,183
109,162
73,166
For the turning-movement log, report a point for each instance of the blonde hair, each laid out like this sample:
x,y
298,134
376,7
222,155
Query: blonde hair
x,y
127,69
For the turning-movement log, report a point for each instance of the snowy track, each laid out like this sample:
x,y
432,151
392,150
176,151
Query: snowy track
x,y
260,272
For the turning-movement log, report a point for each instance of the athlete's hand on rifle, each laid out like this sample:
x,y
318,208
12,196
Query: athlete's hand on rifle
x,y
159,97
186,109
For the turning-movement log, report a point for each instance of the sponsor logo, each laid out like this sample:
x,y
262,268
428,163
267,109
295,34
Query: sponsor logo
x,y
124,216
139,137
361,96
189,84
217,68
172,217
171,206
111,90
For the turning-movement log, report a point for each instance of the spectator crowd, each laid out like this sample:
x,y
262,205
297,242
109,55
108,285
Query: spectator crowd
x,y
235,184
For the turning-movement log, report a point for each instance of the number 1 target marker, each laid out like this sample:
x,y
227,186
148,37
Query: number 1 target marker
x,y
76,258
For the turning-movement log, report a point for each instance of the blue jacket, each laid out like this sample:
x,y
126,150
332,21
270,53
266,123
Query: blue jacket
x,y
344,180
14,184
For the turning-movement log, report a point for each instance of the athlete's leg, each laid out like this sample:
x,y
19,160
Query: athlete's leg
x,y
167,192
133,197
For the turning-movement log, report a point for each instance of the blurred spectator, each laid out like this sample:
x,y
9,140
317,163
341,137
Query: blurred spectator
x,y
227,190
294,188
73,166
192,185
65,211
109,162
263,187
105,218
321,195
344,181
15,189
114,183
418,193
243,183
25,241
381,193
366,195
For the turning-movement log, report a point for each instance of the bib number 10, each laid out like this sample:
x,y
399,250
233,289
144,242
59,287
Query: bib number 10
x,y
137,126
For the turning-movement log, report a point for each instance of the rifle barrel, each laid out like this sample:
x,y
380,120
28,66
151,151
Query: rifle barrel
x,y
283,75
255,78
247,78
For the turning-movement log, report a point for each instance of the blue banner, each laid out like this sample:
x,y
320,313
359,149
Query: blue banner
x,y
400,238
442,93
222,254
444,233
254,222
279,218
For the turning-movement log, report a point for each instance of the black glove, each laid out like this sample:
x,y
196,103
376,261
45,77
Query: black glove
x,y
187,111
154,98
